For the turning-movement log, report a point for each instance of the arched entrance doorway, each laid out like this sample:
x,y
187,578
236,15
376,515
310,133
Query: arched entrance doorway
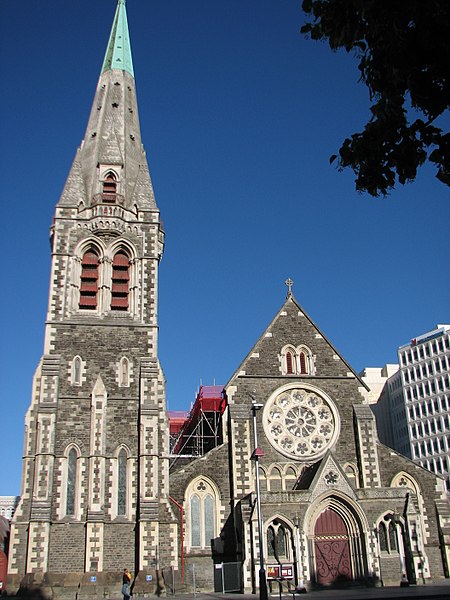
x,y
332,549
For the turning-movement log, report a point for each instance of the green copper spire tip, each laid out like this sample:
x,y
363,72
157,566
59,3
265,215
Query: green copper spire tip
x,y
118,52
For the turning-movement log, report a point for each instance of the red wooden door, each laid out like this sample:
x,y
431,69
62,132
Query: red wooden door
x,y
3,570
332,549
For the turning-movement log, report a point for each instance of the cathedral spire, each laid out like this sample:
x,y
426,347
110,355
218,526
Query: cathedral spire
x,y
118,52
111,154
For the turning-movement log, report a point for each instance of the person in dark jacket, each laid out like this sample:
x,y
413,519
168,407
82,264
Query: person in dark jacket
x,y
126,579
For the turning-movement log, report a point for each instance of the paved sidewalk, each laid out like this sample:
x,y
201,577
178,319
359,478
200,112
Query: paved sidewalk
x,y
440,591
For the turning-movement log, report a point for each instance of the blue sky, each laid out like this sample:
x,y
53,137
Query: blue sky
x,y
239,115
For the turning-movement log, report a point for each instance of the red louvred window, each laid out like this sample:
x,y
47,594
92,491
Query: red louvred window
x,y
303,370
289,368
89,281
109,188
120,287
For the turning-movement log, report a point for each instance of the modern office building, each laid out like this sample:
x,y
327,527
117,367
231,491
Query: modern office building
x,y
411,401
425,382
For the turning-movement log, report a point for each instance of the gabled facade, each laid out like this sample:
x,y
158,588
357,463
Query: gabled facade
x,y
95,494
336,504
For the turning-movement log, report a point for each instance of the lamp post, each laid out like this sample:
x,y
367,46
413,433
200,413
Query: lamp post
x,y
257,452
301,588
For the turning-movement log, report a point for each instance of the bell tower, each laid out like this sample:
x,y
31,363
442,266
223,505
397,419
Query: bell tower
x,y
95,490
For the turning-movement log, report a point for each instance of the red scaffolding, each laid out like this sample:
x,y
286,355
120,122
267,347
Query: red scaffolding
x,y
200,430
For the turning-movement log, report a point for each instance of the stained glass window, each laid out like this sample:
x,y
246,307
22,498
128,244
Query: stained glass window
x,y
71,481
392,537
195,521
208,503
122,483
382,537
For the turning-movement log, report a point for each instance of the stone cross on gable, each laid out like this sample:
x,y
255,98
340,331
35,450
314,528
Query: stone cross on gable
x,y
289,284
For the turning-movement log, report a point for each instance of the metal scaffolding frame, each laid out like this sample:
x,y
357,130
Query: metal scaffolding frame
x,y
201,430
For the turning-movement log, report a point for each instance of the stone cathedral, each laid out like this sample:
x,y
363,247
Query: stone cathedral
x,y
102,489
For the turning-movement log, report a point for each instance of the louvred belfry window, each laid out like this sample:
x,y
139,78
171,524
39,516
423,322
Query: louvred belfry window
x,y
89,281
109,188
120,282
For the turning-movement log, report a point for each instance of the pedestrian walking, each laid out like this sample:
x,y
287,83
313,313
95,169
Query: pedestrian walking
x,y
126,580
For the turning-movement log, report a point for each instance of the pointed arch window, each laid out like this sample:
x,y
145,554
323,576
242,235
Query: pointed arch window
x,y
392,537
303,363
109,187
289,363
288,360
387,536
124,372
277,540
76,371
195,521
382,538
71,482
202,515
89,280
122,483
120,287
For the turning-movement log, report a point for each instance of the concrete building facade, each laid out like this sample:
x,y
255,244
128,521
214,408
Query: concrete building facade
x,y
425,382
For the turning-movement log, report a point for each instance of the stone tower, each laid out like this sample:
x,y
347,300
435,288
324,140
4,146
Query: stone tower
x,y
95,494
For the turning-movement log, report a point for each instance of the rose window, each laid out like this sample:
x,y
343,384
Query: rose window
x,y
300,423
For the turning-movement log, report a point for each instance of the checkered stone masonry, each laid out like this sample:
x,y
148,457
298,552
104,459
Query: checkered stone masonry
x,y
96,415
368,456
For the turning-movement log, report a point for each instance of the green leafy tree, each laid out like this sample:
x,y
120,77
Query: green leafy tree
x,y
403,48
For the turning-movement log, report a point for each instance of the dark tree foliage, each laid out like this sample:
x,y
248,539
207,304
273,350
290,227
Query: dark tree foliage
x,y
403,48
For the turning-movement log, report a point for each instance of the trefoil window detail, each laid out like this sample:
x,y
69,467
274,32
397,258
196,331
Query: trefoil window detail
x,y
201,522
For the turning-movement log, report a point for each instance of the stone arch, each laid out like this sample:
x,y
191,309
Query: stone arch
x,y
124,249
279,539
71,481
202,510
288,360
305,361
77,370
290,477
89,244
262,478
122,479
351,471
275,479
343,514
124,372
